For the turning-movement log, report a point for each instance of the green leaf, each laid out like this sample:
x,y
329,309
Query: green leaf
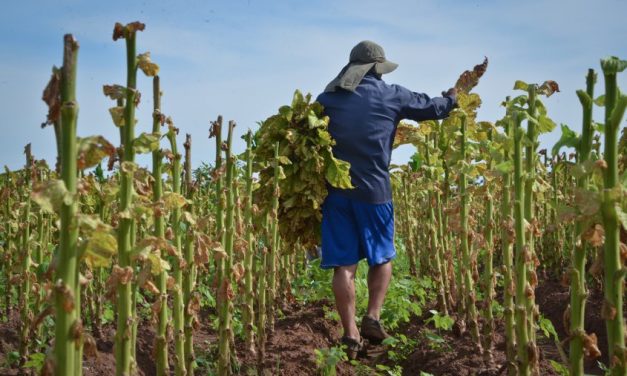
x,y
600,100
569,138
284,160
337,174
521,85
504,168
558,367
146,143
547,328
416,162
545,124
619,110
35,361
286,112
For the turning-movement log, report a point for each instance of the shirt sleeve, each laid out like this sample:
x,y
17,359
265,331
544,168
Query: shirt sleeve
x,y
419,106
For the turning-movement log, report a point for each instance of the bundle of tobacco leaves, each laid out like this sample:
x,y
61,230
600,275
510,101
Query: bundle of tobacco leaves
x,y
306,166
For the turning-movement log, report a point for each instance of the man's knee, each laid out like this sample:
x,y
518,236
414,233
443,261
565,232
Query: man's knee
x,y
345,272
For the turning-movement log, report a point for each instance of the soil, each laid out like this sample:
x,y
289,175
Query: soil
x,y
303,329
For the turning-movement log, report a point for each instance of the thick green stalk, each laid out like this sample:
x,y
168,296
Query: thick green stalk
x,y
161,342
530,178
614,270
261,300
506,244
522,255
8,261
436,251
471,312
189,278
440,235
488,277
67,314
225,289
177,301
409,238
249,296
123,336
26,251
274,251
578,290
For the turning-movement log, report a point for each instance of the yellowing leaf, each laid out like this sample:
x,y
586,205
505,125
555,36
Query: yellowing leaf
x,y
338,175
144,63
50,195
98,250
114,92
117,115
146,143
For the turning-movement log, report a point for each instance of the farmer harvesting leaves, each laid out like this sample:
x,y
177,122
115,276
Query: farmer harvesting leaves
x,y
359,223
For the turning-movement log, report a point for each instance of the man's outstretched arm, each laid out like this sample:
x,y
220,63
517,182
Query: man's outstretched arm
x,y
419,106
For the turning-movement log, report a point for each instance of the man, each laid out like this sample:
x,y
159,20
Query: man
x,y
359,223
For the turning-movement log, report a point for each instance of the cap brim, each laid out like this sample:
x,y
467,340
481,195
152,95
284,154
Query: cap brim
x,y
385,67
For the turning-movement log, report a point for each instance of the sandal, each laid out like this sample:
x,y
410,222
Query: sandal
x,y
354,348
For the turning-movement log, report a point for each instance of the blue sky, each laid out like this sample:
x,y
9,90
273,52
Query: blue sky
x,y
244,58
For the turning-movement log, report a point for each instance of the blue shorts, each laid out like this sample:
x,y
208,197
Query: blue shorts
x,y
353,230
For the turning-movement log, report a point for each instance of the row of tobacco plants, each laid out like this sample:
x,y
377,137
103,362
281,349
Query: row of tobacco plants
x,y
100,241
496,212
479,208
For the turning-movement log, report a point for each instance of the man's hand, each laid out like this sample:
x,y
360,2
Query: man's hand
x,y
452,92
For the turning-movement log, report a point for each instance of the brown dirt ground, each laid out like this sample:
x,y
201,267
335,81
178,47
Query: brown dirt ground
x,y
302,329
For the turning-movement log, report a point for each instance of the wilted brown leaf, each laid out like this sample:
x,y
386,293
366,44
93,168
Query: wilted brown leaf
x,y
52,97
470,78
548,88
595,235
66,295
608,310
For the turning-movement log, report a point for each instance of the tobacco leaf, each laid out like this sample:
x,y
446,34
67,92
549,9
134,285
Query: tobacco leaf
x,y
147,66
306,166
92,150
470,78
52,97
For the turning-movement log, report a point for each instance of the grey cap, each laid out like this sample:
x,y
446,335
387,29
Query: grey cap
x,y
363,57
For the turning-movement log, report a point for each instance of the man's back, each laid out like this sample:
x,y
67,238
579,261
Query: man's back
x,y
363,124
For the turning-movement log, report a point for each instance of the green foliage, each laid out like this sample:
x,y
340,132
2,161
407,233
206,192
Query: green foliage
x,y
435,341
547,328
306,163
559,368
327,359
440,321
390,371
569,138
400,347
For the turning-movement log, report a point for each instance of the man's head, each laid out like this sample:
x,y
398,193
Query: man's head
x,y
364,57
366,52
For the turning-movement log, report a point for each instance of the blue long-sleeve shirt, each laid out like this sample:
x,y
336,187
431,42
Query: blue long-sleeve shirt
x,y
363,124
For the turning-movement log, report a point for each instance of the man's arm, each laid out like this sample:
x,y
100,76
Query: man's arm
x,y
419,106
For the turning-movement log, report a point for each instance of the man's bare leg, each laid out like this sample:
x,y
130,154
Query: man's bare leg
x,y
344,290
378,281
